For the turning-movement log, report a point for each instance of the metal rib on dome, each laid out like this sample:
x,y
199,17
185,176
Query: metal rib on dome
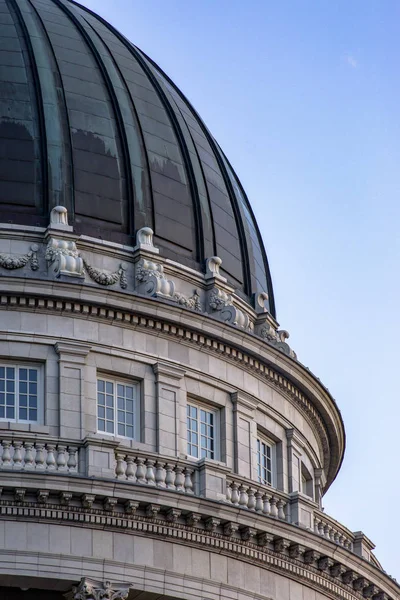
x,y
89,122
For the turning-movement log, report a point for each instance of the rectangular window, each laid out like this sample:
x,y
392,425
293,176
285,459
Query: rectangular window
x,y
19,394
117,408
265,461
201,432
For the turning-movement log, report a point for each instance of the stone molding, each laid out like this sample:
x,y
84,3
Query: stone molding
x,y
333,573
190,336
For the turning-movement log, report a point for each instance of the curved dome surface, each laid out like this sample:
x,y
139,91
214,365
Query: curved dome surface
x,y
89,122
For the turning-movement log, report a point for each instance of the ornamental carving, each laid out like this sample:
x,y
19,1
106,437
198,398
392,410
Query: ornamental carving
x,y
151,281
105,278
221,302
64,257
17,262
277,338
90,590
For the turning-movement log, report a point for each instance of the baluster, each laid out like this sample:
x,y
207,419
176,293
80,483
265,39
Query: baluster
x,y
243,498
235,493
6,454
140,470
61,459
259,501
179,479
28,458
341,540
321,528
160,474
251,503
39,456
332,534
316,523
120,466
72,459
326,531
188,480
281,512
267,504
228,492
129,472
336,538
169,477
50,460
274,509
17,458
150,475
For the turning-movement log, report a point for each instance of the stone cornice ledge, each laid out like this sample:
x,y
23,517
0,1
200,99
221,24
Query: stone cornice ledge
x,y
264,542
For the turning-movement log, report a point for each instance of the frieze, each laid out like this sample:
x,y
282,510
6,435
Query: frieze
x,y
105,278
11,262
277,553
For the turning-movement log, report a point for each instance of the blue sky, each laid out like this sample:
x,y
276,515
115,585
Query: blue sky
x,y
304,99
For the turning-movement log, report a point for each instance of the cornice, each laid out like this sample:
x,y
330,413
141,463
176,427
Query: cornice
x,y
276,546
191,329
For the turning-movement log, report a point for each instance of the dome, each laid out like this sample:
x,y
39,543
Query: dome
x,y
90,123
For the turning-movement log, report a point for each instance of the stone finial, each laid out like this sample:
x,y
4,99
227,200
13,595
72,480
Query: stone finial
x,y
212,268
144,240
59,219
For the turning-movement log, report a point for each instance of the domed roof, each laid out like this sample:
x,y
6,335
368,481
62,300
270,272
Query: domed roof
x,y
89,122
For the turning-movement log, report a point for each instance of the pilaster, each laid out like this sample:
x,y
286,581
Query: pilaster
x,y
245,434
72,363
170,396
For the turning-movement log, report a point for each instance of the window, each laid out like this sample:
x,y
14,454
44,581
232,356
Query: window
x,y
201,432
265,461
19,394
117,408
307,483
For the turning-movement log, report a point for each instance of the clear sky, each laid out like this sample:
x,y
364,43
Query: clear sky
x,y
304,99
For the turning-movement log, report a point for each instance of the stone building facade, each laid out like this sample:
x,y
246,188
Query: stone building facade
x,y
159,437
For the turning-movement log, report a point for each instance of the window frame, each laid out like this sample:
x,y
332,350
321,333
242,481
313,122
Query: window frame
x,y
17,365
216,427
115,381
263,439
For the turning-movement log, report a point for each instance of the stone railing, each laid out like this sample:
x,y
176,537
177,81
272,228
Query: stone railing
x,y
145,469
260,498
331,530
33,455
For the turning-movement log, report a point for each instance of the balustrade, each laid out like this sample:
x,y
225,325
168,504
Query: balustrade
x,y
329,529
269,503
27,455
170,475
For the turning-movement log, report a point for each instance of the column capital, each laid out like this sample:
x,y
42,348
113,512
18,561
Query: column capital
x,y
167,373
74,352
244,402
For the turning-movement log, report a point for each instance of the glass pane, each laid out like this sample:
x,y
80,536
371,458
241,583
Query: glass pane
x,y
23,414
10,373
129,392
100,385
102,412
129,432
101,425
110,414
109,427
121,429
32,374
109,387
10,413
